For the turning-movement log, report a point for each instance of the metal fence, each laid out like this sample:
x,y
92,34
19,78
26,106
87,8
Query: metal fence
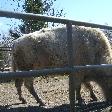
x,y
71,69
5,58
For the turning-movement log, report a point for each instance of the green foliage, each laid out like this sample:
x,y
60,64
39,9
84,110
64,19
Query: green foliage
x,y
37,7
33,6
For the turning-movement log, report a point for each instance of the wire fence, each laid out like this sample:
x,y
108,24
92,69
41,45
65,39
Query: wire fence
x,y
5,59
71,69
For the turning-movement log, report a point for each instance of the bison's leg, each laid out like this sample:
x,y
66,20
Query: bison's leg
x,y
18,84
29,85
78,95
92,95
78,81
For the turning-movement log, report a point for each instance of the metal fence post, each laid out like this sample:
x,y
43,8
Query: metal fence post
x,y
71,75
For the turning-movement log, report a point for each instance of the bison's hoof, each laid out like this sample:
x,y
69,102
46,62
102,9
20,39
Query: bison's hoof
x,y
41,104
81,101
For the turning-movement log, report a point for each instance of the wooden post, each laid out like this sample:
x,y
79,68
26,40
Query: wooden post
x,y
72,95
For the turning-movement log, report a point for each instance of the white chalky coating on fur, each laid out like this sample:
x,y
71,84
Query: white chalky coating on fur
x,y
54,41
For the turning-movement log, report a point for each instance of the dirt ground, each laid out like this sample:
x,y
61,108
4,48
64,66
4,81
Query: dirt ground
x,y
54,91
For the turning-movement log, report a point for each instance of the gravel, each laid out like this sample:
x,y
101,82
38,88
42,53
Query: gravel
x,y
54,92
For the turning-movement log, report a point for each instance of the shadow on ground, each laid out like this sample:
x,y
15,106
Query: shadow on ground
x,y
93,106
61,108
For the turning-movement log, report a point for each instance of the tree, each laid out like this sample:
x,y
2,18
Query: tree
x,y
37,7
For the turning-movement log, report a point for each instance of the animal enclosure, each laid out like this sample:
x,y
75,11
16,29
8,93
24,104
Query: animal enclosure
x,y
70,68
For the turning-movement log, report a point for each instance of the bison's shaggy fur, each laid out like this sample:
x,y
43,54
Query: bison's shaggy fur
x,y
48,47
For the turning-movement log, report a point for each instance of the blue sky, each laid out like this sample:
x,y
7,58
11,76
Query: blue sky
x,y
95,11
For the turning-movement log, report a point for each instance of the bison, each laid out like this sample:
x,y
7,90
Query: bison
x,y
48,48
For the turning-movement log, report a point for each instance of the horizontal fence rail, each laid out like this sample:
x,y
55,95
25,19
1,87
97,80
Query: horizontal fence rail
x,y
52,71
69,69
5,48
29,16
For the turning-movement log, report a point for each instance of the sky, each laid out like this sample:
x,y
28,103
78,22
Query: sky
x,y
94,11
